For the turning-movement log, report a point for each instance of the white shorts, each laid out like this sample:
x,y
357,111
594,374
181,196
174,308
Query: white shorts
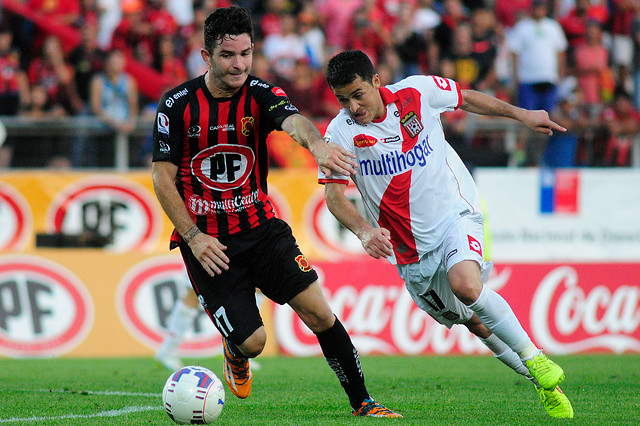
x,y
427,280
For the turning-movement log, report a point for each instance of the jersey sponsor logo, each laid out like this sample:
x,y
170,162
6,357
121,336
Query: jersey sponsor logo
x,y
224,127
397,162
15,219
171,99
194,131
164,147
120,211
45,309
391,139
163,123
364,141
303,263
247,124
258,83
169,102
474,245
442,83
202,207
278,91
224,166
282,102
145,297
412,124
290,107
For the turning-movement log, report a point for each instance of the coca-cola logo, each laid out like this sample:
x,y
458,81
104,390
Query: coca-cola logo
x,y
15,219
567,317
378,313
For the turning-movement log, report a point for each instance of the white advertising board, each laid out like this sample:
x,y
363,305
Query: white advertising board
x,y
560,215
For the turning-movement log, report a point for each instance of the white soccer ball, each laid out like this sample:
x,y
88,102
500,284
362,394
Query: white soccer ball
x,y
193,395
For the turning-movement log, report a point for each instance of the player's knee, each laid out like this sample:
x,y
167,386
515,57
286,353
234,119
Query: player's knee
x,y
254,345
319,320
478,328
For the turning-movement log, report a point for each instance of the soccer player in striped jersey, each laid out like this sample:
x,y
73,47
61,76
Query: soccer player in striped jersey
x,y
210,166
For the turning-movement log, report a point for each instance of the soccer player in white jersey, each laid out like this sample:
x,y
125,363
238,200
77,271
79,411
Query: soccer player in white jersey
x,y
423,209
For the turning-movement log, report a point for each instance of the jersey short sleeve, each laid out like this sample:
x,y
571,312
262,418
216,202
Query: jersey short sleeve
x,y
334,135
273,102
168,130
441,94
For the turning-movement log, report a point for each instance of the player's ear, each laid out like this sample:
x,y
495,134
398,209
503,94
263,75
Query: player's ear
x,y
206,56
376,81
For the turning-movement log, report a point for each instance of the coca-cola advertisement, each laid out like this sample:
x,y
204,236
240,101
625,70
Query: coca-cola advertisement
x,y
565,308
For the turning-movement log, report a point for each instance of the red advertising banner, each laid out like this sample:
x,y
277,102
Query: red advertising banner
x,y
565,308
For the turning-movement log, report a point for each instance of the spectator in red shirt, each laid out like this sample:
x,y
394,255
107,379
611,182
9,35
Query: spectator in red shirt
x,y
14,87
134,33
65,12
591,62
168,64
622,123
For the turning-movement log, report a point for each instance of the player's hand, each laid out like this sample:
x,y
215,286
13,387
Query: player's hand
x,y
539,121
332,158
377,243
210,253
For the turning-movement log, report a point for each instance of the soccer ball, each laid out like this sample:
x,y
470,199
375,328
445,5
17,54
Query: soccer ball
x,y
193,395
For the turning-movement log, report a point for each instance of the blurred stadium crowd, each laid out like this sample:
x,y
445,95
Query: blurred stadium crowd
x,y
579,59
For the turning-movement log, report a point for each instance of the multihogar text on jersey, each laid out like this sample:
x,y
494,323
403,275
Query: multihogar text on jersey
x,y
397,162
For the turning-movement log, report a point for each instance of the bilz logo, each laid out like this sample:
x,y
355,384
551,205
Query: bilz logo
x,y
442,83
120,211
474,245
194,132
364,141
412,124
44,308
303,263
224,166
163,123
15,219
247,125
278,91
144,300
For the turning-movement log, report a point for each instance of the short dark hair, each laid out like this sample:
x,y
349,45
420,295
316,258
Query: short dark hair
x,y
343,68
225,21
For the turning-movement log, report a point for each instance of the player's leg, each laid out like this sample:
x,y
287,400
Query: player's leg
x,y
466,271
339,352
287,277
180,319
229,300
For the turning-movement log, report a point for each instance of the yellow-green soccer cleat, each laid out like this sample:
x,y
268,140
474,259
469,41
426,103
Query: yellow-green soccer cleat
x,y
372,408
547,373
237,372
556,403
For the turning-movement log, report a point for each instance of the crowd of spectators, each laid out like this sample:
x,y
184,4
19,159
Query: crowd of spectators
x,y
578,59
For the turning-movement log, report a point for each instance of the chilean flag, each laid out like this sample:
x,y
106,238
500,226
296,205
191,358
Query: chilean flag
x,y
559,191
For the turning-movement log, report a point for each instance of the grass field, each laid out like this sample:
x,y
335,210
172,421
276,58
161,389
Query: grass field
x,y
604,389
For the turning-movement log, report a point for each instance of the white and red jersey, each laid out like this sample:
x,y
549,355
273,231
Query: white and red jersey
x,y
412,182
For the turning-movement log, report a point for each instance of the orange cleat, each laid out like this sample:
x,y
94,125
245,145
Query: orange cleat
x,y
372,408
237,372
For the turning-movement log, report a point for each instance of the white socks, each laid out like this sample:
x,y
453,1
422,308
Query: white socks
x,y
496,314
180,320
507,356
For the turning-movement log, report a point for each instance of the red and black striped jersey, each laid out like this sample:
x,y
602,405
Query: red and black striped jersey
x,y
219,146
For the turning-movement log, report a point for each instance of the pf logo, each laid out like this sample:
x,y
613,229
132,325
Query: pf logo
x,y
224,166
333,238
15,219
144,300
117,209
45,310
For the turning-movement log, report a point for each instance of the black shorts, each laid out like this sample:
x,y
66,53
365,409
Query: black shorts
x,y
266,257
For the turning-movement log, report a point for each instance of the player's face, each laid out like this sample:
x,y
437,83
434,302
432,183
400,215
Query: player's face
x,y
229,64
361,99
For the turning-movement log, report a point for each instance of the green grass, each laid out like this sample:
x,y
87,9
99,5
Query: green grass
x,y
604,389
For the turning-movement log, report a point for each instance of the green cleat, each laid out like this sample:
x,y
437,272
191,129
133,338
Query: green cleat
x,y
547,373
556,403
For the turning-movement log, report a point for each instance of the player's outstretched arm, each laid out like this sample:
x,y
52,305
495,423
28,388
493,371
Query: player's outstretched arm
x,y
376,241
480,103
329,156
207,249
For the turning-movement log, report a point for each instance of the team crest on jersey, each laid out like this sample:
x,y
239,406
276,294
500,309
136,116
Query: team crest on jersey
x,y
247,125
412,124
364,141
278,91
303,263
